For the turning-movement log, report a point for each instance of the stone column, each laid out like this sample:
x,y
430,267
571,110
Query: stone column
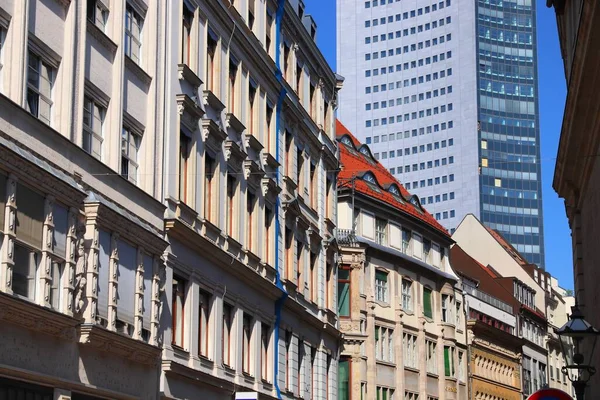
x,y
158,287
45,269
68,287
88,277
10,233
113,283
138,302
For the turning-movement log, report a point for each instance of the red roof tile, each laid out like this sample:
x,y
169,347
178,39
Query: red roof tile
x,y
354,163
507,247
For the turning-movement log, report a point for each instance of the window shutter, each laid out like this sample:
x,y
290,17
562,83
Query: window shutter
x,y
344,380
344,299
126,279
427,303
61,225
30,216
381,276
447,361
148,266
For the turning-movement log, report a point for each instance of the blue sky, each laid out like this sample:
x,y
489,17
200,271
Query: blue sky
x,y
552,92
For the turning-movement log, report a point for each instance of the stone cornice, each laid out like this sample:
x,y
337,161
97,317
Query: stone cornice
x,y
16,311
118,344
101,37
210,99
212,135
186,74
138,71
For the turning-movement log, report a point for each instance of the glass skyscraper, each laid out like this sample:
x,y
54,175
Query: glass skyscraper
x,y
445,94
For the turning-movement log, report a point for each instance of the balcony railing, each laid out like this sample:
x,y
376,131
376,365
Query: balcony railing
x,y
346,237
486,298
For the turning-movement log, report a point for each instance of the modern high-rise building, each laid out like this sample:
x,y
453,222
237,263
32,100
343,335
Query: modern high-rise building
x,y
445,94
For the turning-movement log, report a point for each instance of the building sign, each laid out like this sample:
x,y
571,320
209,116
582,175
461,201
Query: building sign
x,y
549,394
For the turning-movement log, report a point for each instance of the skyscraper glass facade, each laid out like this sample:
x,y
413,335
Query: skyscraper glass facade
x,y
510,179
444,92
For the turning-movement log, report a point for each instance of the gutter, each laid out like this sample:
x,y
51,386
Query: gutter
x,y
282,93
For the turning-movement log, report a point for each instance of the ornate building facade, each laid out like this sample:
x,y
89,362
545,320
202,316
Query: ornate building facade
x,y
167,201
400,309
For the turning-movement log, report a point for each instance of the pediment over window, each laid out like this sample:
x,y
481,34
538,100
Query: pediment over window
x,y
212,135
189,111
234,154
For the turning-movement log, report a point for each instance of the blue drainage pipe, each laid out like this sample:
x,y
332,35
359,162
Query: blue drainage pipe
x,y
282,92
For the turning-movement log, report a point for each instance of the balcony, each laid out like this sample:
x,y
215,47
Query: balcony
x,y
346,237
486,298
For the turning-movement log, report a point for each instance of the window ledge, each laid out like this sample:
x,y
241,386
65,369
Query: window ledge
x,y
408,312
433,375
387,363
382,304
102,37
413,369
137,70
228,370
428,319
186,74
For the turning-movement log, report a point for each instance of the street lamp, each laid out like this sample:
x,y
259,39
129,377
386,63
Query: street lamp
x,y
577,359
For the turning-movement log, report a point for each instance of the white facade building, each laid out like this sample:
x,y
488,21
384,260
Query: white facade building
x,y
167,201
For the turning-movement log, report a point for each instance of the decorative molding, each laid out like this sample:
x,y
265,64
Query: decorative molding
x,y
186,74
252,172
210,99
189,111
36,318
212,135
118,344
234,155
102,37
252,142
234,123
269,160
132,123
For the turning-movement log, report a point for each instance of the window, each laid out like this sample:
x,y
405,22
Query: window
x,y
344,370
97,14
344,291
312,279
250,204
204,323
427,309
226,334
40,80
178,297
411,396
93,119
211,51
56,271
313,186
184,155
209,174
384,393
461,366
231,89
288,365
130,146
247,324
381,231
407,295
449,361
230,216
268,235
405,239
458,314
265,338
431,357
384,344
411,352
446,308
251,17
133,34
24,271
186,35
381,286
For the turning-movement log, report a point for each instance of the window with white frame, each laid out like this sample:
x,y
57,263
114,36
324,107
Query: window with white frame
x,y
461,366
431,357
411,396
130,147
187,23
93,120
449,370
427,250
97,14
410,350
40,80
384,344
446,308
407,302
405,240
381,286
381,231
384,393
458,314
133,34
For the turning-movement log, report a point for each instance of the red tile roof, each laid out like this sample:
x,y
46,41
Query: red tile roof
x,y
355,164
507,247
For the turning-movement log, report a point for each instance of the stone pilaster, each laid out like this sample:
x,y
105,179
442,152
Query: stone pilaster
x,y
10,233
87,278
45,276
113,283
138,302
68,284
158,288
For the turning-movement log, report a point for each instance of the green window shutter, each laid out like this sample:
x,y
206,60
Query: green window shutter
x,y
376,333
384,394
344,380
344,299
447,361
381,276
427,303
378,393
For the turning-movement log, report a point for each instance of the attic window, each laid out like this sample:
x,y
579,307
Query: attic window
x,y
369,178
346,140
394,190
364,150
